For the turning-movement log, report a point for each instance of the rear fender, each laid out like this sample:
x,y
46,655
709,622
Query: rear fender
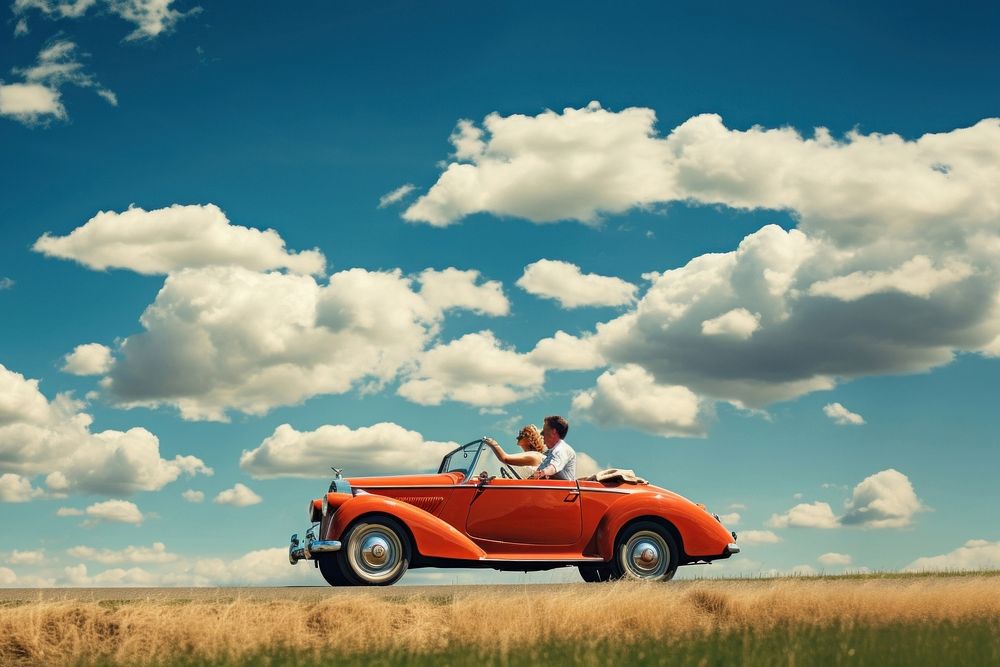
x,y
701,533
432,537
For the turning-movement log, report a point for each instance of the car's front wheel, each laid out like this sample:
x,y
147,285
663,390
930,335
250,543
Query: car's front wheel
x,y
376,552
330,568
645,550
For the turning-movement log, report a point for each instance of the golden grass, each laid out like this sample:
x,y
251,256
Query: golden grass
x,y
160,629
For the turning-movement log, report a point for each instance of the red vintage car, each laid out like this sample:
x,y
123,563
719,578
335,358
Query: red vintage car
x,y
478,512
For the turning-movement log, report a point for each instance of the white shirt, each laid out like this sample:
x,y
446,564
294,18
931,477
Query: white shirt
x,y
563,458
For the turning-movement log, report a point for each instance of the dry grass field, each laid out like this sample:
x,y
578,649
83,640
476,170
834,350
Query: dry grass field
x,y
821,620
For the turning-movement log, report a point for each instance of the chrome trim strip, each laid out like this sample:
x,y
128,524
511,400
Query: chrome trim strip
x,y
589,559
583,489
733,548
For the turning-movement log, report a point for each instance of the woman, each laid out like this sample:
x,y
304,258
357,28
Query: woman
x,y
532,451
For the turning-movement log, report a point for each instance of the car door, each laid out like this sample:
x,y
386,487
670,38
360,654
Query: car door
x,y
534,512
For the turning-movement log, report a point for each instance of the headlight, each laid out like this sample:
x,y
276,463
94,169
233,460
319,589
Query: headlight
x,y
326,504
309,511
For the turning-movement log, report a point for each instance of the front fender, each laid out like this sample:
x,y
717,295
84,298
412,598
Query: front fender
x,y
433,538
701,533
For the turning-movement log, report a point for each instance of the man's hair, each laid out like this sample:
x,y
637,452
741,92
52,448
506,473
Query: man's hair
x,y
559,424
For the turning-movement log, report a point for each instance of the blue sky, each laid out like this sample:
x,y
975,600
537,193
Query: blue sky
x,y
591,172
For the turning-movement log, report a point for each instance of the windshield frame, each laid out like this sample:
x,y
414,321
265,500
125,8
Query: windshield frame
x,y
473,459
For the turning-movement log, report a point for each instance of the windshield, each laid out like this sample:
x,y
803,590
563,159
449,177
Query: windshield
x,y
462,459
471,460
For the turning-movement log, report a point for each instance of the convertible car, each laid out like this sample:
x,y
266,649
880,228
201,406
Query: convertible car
x,y
478,512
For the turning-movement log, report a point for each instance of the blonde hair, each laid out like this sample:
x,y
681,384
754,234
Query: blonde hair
x,y
535,442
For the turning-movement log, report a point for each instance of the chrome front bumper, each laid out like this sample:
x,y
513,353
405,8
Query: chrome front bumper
x,y
309,548
733,548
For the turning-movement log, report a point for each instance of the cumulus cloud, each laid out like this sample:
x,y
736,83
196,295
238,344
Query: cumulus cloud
x,y
731,519
841,415
54,438
752,537
193,496
630,397
239,496
17,489
150,17
738,323
109,511
26,557
567,284
7,576
475,369
883,500
894,266
381,448
586,465
833,559
454,288
806,515
396,195
224,337
973,555
156,553
173,238
37,97
263,567
566,352
6,283
88,359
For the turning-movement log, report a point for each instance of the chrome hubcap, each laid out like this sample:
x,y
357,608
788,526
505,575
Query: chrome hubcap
x,y
646,555
375,552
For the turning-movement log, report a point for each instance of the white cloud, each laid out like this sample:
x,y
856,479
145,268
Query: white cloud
x,y
453,288
378,449
630,397
833,559
566,352
156,553
6,283
169,239
88,359
264,567
474,369
565,283
54,438
193,496
752,537
7,576
238,496
222,338
17,489
737,323
38,96
30,102
883,500
894,267
737,506
35,557
806,515
396,195
841,415
150,17
109,511
916,277
586,465
731,519
973,555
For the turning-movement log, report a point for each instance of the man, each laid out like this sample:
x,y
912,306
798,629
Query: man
x,y
560,460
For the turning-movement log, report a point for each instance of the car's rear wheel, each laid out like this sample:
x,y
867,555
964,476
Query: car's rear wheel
x,y
331,569
645,550
596,573
376,552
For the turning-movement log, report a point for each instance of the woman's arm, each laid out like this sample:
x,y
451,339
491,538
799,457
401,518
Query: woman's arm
x,y
522,459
